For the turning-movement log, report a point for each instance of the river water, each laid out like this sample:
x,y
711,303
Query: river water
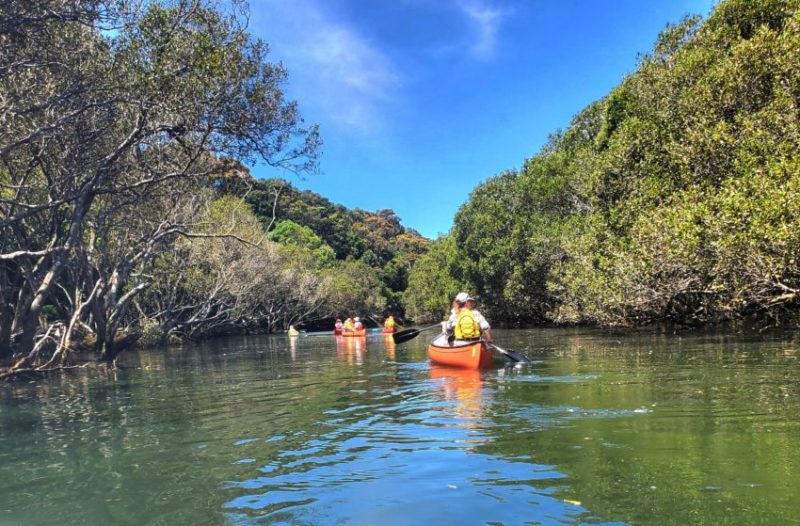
x,y
600,428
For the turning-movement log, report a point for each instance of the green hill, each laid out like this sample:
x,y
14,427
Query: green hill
x,y
378,240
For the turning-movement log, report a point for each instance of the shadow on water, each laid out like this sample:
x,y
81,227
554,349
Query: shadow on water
x,y
323,430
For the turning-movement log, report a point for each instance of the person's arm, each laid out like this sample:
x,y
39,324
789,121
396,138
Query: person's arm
x,y
450,324
486,329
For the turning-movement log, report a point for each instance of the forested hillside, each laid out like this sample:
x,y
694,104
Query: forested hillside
x,y
374,245
674,198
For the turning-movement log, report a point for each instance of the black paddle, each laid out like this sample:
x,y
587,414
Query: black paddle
x,y
410,334
514,356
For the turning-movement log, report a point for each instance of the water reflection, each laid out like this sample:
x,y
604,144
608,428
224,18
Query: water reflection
x,y
351,349
464,387
391,347
649,429
388,451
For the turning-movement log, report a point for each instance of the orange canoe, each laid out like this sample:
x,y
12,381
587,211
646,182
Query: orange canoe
x,y
389,330
362,332
469,356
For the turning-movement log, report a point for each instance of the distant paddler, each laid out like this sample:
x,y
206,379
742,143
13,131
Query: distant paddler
x,y
292,331
389,325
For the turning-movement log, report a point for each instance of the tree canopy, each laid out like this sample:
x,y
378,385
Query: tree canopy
x,y
378,239
673,198
118,119
126,213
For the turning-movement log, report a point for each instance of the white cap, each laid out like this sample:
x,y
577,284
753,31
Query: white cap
x,y
462,297
357,318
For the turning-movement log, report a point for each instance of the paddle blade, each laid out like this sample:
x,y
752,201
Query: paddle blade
x,y
404,336
514,356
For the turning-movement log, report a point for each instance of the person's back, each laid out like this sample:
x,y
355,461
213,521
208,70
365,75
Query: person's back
x,y
483,325
465,324
339,325
348,324
466,327
358,325
389,323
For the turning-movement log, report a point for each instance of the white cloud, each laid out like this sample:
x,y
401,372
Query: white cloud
x,y
332,67
486,22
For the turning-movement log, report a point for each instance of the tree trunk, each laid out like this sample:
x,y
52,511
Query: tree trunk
x,y
6,317
107,352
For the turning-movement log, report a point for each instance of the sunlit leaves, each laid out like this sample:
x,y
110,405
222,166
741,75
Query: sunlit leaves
x,y
673,198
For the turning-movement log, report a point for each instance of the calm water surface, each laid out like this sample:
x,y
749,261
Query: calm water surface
x,y
599,429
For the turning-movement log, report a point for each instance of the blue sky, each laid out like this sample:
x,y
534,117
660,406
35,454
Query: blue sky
x,y
418,101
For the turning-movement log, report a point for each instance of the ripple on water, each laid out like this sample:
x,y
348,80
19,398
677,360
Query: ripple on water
x,y
315,438
401,458
394,485
540,417
569,379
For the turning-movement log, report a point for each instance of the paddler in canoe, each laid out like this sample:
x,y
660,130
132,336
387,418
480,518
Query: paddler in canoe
x,y
466,337
465,324
389,325
353,327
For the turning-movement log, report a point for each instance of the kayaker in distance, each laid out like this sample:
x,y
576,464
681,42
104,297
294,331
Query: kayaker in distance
x,y
348,324
357,326
389,325
293,331
338,326
465,324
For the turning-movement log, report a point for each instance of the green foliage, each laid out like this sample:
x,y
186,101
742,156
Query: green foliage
x,y
237,278
114,113
355,289
673,198
304,218
431,284
288,232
